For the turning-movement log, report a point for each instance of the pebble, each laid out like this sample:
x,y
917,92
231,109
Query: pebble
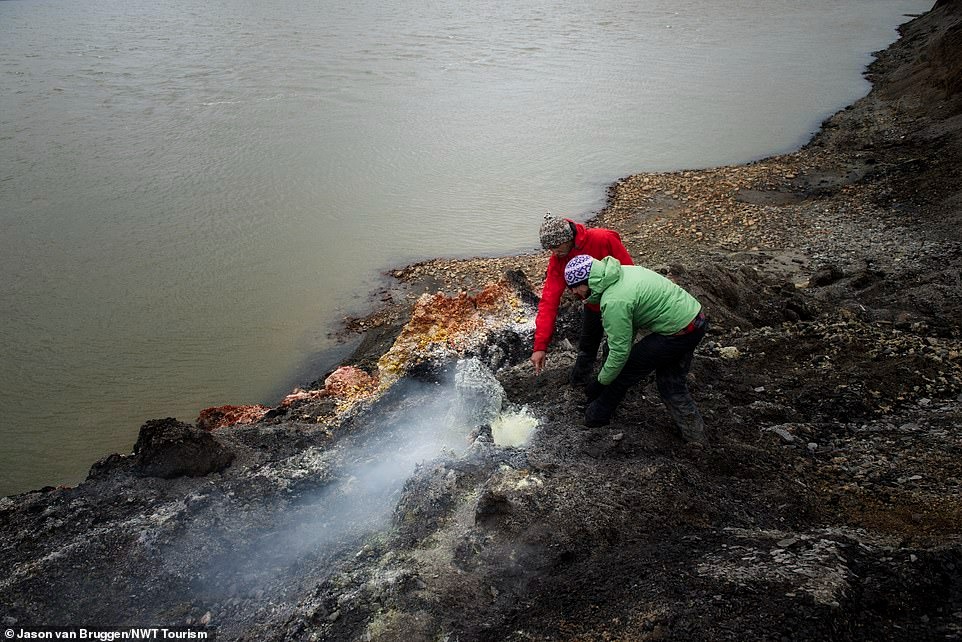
x,y
786,436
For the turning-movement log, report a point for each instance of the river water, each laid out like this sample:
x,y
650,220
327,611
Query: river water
x,y
192,194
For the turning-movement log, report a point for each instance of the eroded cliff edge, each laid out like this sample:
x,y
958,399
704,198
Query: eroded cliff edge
x,y
377,505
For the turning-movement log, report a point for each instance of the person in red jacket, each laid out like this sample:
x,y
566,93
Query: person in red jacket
x,y
566,239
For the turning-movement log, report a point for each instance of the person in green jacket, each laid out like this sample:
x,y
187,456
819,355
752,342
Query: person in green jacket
x,y
633,299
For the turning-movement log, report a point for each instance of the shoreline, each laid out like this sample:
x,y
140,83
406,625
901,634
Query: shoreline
x,y
666,217
742,212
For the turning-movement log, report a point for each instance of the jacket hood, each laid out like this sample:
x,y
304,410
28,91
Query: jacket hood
x,y
604,273
579,237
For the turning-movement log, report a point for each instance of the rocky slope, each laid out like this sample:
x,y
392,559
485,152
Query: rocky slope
x,y
386,502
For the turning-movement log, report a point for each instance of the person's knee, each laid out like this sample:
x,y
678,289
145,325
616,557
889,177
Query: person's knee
x,y
671,384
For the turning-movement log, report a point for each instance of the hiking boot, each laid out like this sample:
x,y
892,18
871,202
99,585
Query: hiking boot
x,y
694,432
581,371
688,421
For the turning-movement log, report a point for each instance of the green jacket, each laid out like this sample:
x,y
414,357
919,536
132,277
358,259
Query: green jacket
x,y
633,298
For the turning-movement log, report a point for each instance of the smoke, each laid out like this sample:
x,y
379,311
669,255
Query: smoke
x,y
287,543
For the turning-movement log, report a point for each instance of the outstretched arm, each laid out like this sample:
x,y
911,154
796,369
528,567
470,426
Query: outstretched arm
x,y
554,286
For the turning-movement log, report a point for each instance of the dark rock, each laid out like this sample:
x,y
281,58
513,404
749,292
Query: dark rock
x,y
168,448
106,465
375,342
866,278
825,275
504,348
519,283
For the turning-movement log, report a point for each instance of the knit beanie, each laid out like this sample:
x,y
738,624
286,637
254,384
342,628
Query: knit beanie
x,y
555,231
578,269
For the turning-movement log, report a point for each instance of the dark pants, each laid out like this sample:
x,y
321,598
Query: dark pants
x,y
669,357
592,332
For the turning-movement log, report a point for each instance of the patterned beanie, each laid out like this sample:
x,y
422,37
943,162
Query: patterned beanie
x,y
555,231
578,269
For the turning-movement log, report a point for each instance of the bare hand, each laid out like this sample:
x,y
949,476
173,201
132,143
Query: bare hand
x,y
537,360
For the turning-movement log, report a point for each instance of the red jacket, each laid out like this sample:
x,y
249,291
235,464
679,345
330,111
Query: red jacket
x,y
598,243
